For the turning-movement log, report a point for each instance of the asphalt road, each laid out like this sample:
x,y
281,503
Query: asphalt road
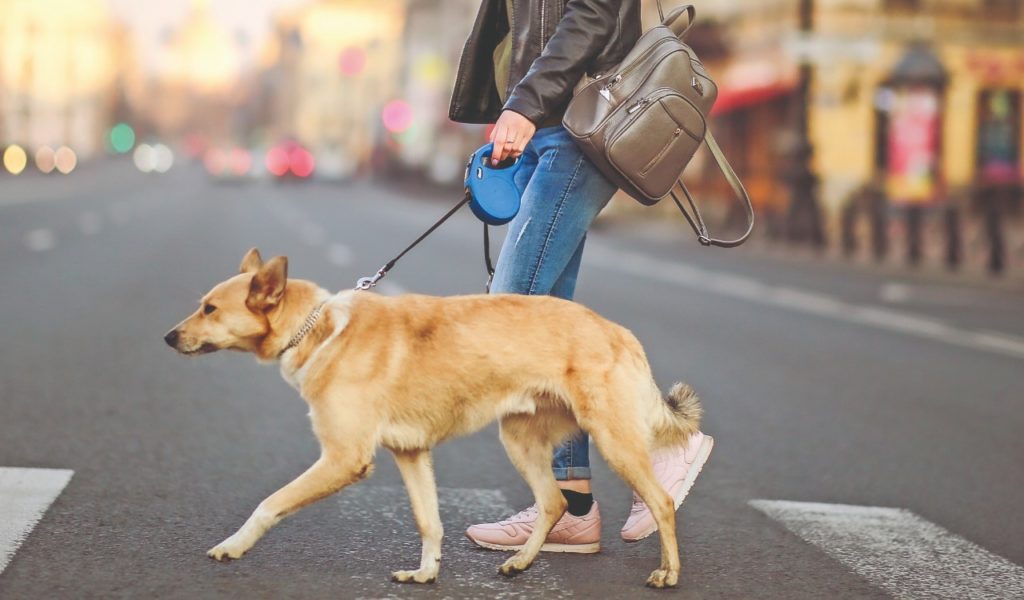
x,y
822,383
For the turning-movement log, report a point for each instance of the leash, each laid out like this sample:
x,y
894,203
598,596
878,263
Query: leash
x,y
366,283
490,193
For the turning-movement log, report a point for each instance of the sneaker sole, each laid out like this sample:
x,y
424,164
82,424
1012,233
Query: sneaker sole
x,y
691,476
547,547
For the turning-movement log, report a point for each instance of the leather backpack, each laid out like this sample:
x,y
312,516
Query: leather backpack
x,y
642,121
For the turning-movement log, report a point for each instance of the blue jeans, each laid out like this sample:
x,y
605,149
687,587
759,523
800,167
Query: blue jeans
x,y
563,192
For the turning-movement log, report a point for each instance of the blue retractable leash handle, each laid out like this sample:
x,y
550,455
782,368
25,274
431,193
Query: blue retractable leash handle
x,y
492,196
495,197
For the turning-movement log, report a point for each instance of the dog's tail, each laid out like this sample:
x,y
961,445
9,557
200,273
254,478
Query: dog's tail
x,y
678,415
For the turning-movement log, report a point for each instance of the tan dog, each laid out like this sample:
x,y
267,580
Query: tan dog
x,y
411,371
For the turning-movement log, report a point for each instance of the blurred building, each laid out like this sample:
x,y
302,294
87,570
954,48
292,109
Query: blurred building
x,y
61,64
197,90
922,97
328,74
435,32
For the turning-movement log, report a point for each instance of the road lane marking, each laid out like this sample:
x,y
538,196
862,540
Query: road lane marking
x,y
894,291
752,290
898,551
25,494
40,240
471,571
89,223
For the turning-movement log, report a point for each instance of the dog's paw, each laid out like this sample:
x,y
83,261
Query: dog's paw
x,y
226,550
663,578
417,576
514,566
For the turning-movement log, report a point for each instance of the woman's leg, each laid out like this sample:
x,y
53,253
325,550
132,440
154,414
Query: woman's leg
x,y
542,252
563,193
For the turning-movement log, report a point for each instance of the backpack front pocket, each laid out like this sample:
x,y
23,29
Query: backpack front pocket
x,y
653,146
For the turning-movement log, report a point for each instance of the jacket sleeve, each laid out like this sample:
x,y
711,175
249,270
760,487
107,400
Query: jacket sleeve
x,y
584,30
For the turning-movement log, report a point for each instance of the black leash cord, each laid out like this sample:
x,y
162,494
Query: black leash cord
x,y
487,259
366,283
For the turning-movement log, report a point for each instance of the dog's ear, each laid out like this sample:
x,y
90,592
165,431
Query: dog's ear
x,y
267,286
251,262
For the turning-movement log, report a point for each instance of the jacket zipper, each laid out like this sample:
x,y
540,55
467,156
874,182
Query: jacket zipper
x,y
543,30
661,153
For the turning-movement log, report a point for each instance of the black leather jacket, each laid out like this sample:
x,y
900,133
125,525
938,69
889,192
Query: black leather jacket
x,y
554,43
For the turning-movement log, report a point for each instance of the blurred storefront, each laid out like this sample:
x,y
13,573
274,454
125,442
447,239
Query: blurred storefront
x,y
929,140
61,65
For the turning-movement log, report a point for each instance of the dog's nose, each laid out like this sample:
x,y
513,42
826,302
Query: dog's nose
x,y
172,338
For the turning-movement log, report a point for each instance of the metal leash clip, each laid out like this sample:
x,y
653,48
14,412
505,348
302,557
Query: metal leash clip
x,y
366,283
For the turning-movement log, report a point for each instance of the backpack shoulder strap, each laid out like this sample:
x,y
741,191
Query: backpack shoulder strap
x,y
696,221
674,22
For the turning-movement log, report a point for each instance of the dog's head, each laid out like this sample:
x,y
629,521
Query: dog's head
x,y
233,315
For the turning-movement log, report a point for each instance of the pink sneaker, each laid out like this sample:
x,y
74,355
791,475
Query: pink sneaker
x,y
581,535
676,469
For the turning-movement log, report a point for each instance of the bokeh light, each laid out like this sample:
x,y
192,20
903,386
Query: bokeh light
x,y
65,160
15,159
277,161
240,161
45,159
163,158
144,158
431,69
397,116
301,162
352,61
122,138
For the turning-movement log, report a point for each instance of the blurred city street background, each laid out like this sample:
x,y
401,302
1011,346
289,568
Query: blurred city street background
x,y
859,360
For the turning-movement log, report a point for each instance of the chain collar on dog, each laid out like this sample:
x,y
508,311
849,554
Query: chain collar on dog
x,y
311,320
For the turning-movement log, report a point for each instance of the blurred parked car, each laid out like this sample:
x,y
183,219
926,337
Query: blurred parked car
x,y
290,160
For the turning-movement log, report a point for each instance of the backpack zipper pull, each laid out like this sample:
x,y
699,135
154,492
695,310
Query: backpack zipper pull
x,y
606,90
636,107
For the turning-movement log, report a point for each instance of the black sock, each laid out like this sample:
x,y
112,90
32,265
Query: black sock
x,y
579,504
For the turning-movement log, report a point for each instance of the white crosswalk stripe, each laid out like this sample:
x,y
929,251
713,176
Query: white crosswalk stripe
x,y
898,551
25,494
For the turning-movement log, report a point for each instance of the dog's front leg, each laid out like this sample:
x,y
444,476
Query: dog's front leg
x,y
418,474
327,475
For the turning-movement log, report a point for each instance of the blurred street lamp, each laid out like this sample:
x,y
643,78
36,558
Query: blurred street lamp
x,y
122,138
45,159
804,222
15,159
65,160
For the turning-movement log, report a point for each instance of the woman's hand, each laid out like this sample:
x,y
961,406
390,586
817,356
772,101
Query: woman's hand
x,y
510,135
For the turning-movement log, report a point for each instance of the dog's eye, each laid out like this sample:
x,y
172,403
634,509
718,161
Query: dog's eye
x,y
209,308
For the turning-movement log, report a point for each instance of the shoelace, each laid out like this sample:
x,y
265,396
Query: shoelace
x,y
638,505
529,511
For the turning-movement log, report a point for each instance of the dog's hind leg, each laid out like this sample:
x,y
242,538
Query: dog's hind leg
x,y
418,474
529,444
624,448
331,472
